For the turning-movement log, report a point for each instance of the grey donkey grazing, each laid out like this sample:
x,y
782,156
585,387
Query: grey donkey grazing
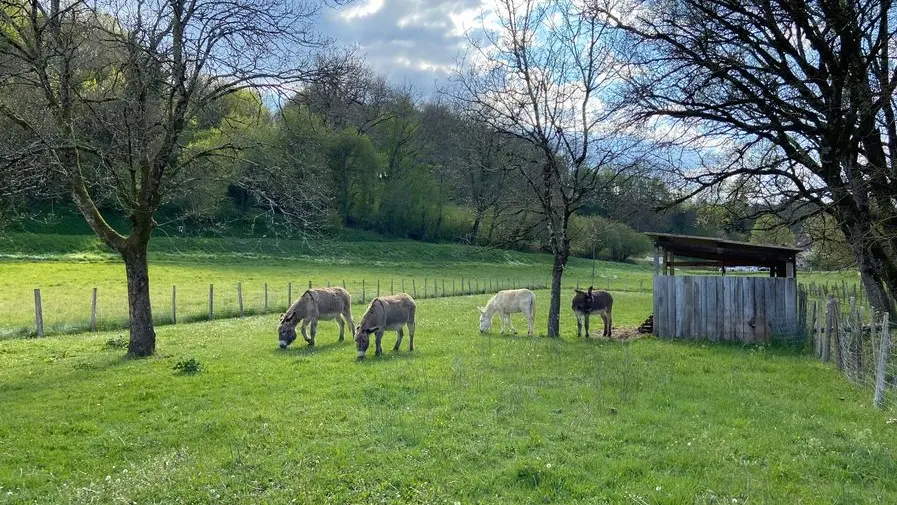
x,y
587,302
386,313
316,304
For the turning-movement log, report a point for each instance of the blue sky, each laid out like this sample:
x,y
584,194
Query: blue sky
x,y
409,42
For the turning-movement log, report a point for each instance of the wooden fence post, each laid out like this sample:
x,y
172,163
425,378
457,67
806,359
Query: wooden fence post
x,y
820,327
478,287
829,326
211,301
425,286
93,310
309,284
802,313
884,351
266,298
403,284
468,286
344,283
812,325
38,313
362,290
289,294
240,297
836,335
392,290
378,288
174,304
443,287
413,287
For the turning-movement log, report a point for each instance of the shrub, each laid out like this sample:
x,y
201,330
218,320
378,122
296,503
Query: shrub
x,y
188,366
117,343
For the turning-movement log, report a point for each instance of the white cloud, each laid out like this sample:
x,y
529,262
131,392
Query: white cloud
x,y
364,9
413,42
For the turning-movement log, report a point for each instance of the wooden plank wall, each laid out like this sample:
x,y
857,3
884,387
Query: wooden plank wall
x,y
720,308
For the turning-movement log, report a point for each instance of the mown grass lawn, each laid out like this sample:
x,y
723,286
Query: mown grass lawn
x,y
465,418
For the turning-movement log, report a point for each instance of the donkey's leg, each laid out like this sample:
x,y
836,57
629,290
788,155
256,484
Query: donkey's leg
x,y
379,335
313,331
586,316
511,324
347,315
608,320
304,334
410,324
399,335
530,322
578,324
342,327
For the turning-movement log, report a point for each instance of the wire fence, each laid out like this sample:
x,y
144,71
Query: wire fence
x,y
56,310
842,329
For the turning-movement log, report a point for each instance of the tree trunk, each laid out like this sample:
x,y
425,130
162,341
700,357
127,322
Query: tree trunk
x,y
143,336
554,308
475,229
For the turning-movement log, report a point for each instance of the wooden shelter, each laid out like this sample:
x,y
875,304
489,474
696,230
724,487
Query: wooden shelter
x,y
724,307
671,251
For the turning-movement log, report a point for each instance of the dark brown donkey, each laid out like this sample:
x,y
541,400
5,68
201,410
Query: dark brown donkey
x,y
587,302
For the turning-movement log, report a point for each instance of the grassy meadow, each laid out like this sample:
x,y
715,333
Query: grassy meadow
x,y
69,267
465,418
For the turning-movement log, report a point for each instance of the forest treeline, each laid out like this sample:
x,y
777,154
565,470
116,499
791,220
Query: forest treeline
x,y
352,152
343,149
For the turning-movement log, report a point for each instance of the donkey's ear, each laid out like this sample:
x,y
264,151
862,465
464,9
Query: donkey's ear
x,y
373,329
482,310
579,291
286,318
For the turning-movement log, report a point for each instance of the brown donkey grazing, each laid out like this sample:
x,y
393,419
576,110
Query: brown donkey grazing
x,y
314,305
587,302
386,313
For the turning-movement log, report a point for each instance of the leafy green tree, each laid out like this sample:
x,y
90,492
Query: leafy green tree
x,y
109,93
545,73
769,229
803,93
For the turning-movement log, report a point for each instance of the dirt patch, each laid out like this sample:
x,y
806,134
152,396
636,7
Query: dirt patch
x,y
627,334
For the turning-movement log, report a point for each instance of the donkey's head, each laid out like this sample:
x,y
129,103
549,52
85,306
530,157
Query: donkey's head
x,y
582,300
286,332
485,320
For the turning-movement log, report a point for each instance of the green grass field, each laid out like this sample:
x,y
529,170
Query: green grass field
x,y
465,418
70,267
66,268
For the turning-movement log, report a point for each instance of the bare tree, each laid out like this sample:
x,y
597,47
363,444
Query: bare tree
x,y
801,93
546,73
107,90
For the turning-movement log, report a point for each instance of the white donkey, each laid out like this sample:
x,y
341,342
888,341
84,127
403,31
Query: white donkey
x,y
506,303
